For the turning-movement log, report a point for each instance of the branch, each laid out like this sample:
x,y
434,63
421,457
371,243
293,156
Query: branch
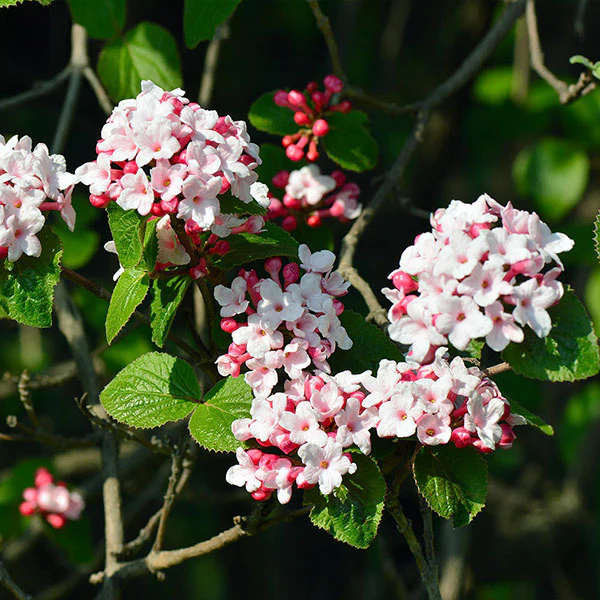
x,y
38,90
325,27
7,581
497,369
210,65
566,93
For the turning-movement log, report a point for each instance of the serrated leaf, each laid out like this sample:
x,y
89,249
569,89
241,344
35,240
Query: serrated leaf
x,y
353,514
147,51
370,346
530,418
267,116
27,285
227,401
102,19
167,295
150,252
453,481
202,17
131,289
569,353
234,206
154,389
597,235
554,174
349,144
247,247
127,230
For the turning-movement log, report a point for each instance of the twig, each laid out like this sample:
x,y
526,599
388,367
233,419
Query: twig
x,y
497,369
24,390
579,23
428,538
210,65
97,87
325,27
566,93
7,581
38,90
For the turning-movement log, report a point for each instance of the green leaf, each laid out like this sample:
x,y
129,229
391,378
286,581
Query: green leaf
x,y
27,285
349,144
152,390
274,160
452,480
597,235
493,86
370,346
227,401
150,255
131,289
316,238
79,246
530,418
75,538
167,295
234,206
247,247
102,19
202,17
19,477
592,298
7,3
126,227
145,52
267,116
554,174
569,353
582,60
353,512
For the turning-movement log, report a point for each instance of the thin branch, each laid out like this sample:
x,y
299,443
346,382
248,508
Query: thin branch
x,y
38,90
8,583
103,98
566,93
24,390
325,27
497,369
579,23
210,65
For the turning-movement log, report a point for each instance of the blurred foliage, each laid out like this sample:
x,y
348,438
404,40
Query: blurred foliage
x,y
505,133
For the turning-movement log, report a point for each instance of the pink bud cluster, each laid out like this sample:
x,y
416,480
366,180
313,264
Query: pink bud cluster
x,y
162,154
310,107
53,501
311,197
288,321
31,181
480,273
303,435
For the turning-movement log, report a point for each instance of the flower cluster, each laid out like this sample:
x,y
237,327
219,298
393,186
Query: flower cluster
x,y
310,196
318,418
53,501
31,181
310,107
287,324
161,155
480,273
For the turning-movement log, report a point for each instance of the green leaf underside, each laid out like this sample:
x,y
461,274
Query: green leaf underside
x,y
147,51
227,401
127,232
353,515
234,206
154,389
555,174
370,346
267,116
27,285
102,19
247,247
349,144
202,17
453,481
167,295
569,353
532,419
131,289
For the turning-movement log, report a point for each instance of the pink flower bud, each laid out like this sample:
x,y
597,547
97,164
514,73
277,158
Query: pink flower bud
x,y
296,98
481,447
43,477
333,83
156,210
291,202
229,325
273,266
461,438
344,106
130,167
312,153
289,223
281,179
311,87
313,221
319,100
225,185
100,201
3,252
301,118
262,494
169,206
508,436
291,273
294,153
26,509
57,521
320,127
286,140
404,282
338,306
281,98
340,178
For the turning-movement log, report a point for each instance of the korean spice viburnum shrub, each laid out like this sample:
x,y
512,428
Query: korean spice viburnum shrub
x,y
310,196
32,182
167,158
484,271
52,501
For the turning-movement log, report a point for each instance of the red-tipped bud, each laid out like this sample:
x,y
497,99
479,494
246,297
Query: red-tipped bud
x,y
333,83
294,153
221,247
319,100
157,211
272,267
340,178
404,282
344,106
286,140
320,127
313,221
99,201
57,521
26,509
281,98
43,477
229,325
291,273
301,118
225,185
221,126
311,87
312,153
281,179
291,202
289,223
296,98
130,167
169,206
